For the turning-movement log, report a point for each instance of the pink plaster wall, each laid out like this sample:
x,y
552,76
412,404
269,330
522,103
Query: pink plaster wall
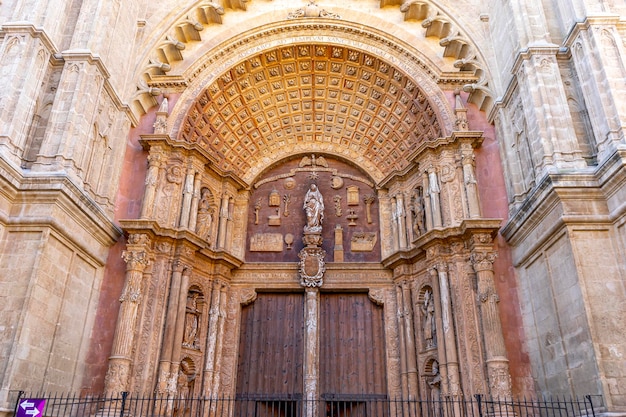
x,y
494,204
127,206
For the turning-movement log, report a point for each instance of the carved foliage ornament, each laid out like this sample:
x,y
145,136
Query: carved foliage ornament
x,y
483,260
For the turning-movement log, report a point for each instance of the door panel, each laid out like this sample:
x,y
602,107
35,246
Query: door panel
x,y
352,353
271,347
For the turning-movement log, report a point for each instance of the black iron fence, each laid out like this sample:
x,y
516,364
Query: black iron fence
x,y
131,405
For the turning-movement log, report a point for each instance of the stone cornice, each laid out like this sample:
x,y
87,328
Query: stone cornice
x,y
149,140
474,137
57,58
603,20
51,192
183,237
564,192
442,237
84,55
32,30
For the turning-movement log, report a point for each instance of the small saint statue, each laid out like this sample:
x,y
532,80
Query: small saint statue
x,y
314,209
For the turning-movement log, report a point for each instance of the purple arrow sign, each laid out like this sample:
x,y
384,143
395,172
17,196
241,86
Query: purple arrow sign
x,y
30,407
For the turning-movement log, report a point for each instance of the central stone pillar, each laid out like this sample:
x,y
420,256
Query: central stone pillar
x,y
312,268
311,351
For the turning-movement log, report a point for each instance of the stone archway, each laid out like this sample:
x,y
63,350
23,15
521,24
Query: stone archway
x,y
353,109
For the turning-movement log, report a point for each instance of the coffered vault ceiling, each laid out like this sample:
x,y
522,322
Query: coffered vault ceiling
x,y
346,101
255,91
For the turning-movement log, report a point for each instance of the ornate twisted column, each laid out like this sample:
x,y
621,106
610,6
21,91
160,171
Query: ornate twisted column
x,y
137,259
482,258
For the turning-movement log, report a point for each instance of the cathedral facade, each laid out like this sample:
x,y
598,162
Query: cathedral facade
x,y
394,198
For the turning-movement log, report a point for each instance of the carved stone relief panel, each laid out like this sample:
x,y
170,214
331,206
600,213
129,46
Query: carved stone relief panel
x,y
276,215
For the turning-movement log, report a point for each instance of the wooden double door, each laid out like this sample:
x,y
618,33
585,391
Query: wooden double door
x,y
350,365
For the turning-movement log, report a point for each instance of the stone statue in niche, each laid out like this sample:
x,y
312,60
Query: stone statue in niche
x,y
417,208
435,386
205,215
314,208
190,338
429,328
184,388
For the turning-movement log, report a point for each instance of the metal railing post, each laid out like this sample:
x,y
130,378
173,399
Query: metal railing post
x,y
124,395
17,402
479,404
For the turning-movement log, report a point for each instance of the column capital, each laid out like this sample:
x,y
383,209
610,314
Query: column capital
x,y
136,260
155,158
181,267
482,260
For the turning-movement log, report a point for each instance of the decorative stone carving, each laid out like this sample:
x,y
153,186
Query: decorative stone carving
x,y
363,242
289,240
312,266
267,242
274,198
174,174
192,321
369,200
312,10
337,200
289,183
377,296
433,192
336,182
274,219
352,216
160,125
257,208
286,201
353,195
